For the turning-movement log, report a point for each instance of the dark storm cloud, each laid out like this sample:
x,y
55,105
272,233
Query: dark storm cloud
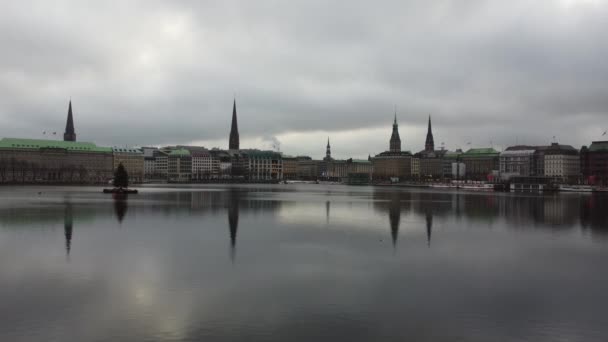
x,y
485,70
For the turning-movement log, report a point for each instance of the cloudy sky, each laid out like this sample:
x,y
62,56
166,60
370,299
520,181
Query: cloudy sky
x,y
159,72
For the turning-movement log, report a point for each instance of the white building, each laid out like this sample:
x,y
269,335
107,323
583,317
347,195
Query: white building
x,y
562,162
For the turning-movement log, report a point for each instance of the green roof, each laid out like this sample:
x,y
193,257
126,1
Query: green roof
x,y
481,152
179,152
597,146
362,161
262,154
11,143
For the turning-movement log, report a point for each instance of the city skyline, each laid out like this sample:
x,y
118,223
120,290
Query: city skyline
x,y
168,72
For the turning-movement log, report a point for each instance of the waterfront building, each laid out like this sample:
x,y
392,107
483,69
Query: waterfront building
x,y
161,164
70,133
234,142
594,163
480,163
539,161
518,161
562,162
204,165
308,169
416,167
290,167
148,153
264,165
133,161
358,171
359,166
448,163
393,164
54,161
430,165
179,162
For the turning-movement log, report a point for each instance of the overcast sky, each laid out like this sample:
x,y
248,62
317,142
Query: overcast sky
x,y
160,72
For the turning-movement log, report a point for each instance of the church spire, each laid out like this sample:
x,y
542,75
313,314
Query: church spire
x,y
328,151
233,143
429,145
70,134
395,143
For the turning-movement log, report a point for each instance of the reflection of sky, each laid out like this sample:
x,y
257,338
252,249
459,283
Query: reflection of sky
x,y
170,277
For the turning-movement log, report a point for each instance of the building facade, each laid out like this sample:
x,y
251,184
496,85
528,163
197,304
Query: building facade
x,y
308,169
594,163
133,161
179,162
562,162
480,163
518,161
264,165
204,165
52,161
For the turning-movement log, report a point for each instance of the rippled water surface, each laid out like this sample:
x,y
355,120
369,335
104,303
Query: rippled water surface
x,y
301,263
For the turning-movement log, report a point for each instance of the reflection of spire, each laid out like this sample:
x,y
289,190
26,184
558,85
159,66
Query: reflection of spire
x,y
429,227
327,212
394,216
233,222
68,228
120,206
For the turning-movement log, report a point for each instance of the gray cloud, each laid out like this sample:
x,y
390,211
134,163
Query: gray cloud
x,y
489,70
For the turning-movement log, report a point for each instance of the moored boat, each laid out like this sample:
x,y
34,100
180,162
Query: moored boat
x,y
575,188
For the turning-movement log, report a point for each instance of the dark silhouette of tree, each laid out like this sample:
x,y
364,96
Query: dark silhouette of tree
x,y
121,177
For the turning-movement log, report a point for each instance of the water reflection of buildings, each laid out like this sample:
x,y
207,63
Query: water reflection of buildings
x,y
233,221
429,227
518,211
68,227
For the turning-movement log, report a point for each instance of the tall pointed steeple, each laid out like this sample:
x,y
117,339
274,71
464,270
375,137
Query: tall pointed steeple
x,y
395,143
429,145
70,134
327,151
233,143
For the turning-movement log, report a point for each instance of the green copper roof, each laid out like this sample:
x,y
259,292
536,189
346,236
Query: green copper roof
x,y
11,143
179,153
480,152
262,154
598,146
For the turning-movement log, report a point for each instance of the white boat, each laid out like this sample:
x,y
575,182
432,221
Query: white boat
x,y
478,187
575,188
444,186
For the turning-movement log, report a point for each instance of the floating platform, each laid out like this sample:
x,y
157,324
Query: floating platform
x,y
120,191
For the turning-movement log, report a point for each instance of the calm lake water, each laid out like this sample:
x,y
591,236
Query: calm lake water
x,y
301,263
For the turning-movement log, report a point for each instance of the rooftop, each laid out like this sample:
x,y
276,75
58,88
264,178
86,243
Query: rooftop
x,y
598,146
179,153
117,149
40,143
481,152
